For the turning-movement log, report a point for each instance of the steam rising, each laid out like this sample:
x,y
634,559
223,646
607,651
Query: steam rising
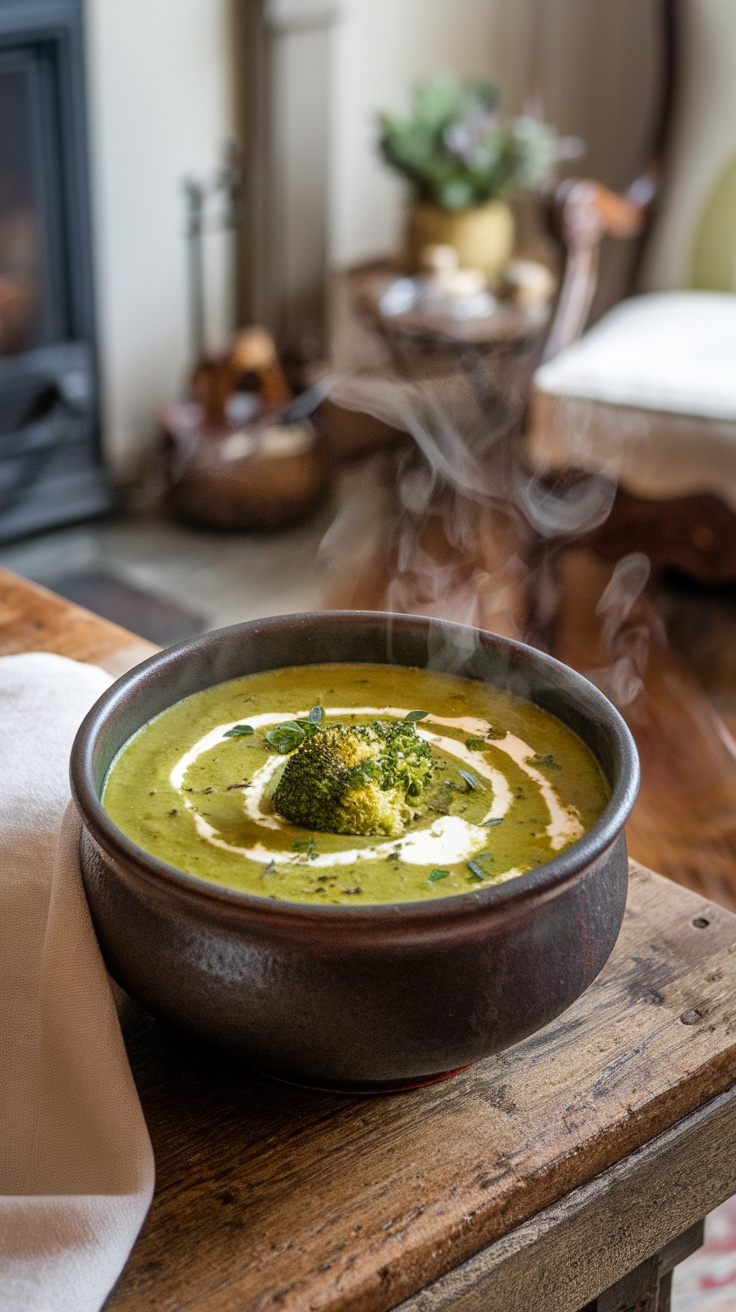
x,y
627,644
460,525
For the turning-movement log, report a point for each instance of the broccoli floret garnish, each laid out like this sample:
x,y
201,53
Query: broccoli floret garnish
x,y
356,779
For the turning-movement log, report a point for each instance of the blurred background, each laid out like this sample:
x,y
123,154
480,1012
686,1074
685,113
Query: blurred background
x,y
162,93
299,84
172,173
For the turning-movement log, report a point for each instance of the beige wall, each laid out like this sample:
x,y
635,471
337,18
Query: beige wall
x,y
703,140
160,108
592,63
380,48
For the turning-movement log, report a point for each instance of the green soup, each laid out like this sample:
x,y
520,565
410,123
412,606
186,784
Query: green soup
x,y
512,786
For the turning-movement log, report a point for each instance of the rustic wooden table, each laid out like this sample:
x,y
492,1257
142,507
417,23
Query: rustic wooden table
x,y
571,1171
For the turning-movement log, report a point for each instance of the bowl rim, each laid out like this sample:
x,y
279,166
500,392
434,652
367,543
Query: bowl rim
x,y
544,879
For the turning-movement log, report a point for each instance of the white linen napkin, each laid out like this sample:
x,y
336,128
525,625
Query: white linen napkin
x,y
76,1165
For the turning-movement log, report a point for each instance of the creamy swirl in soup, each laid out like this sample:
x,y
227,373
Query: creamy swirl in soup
x,y
425,785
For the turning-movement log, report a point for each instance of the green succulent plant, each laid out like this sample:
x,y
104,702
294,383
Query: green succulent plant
x,y
457,152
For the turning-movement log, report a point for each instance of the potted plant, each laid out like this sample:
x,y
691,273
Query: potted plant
x,y
463,162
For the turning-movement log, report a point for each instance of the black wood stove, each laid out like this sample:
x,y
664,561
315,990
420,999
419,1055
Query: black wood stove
x,y
50,465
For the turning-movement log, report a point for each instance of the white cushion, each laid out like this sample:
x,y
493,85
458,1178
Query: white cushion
x,y
668,351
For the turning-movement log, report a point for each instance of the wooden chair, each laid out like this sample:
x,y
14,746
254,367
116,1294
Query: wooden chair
x,y
647,397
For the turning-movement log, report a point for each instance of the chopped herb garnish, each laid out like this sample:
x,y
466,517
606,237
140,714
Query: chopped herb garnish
x,y
368,769
476,871
475,744
358,889
488,824
268,870
230,787
469,778
307,846
285,737
548,760
438,874
411,717
495,733
308,723
239,731
174,812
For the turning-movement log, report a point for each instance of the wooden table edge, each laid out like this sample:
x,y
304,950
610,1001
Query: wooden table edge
x,y
33,618
603,1229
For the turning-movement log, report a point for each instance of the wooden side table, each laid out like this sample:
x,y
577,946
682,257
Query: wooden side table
x,y
496,353
569,1172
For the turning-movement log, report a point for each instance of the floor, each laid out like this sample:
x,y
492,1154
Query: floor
x,y
206,577
706,1282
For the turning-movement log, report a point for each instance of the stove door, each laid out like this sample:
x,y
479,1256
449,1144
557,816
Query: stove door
x,y
33,290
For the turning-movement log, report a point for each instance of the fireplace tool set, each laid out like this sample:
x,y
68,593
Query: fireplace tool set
x,y
240,451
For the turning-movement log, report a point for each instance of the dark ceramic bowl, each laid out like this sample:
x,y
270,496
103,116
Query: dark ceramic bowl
x,y
363,997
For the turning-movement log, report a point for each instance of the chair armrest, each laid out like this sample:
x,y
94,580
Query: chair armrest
x,y
586,211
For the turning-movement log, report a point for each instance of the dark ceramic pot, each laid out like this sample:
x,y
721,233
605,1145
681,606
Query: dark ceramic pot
x,y
364,997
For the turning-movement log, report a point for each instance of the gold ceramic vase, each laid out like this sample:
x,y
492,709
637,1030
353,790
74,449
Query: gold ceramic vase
x,y
482,237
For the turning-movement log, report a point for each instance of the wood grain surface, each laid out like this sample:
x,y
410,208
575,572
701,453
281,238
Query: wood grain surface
x,y
34,619
642,1208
